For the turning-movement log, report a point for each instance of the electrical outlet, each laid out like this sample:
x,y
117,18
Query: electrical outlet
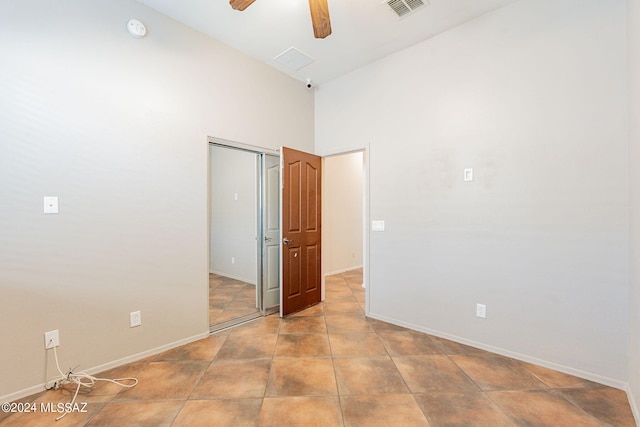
x,y
233,260
51,205
481,311
135,319
51,339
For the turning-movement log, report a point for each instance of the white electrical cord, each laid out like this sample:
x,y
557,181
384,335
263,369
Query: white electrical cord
x,y
81,379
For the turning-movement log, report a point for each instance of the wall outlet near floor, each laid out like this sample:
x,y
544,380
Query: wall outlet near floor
x,y
135,319
51,339
481,311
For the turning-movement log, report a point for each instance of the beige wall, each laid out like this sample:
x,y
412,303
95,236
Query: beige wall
x,y
532,96
633,14
116,128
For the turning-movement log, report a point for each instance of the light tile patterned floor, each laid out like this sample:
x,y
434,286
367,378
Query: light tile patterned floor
x,y
331,366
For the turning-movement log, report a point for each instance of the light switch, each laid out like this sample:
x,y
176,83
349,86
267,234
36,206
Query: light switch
x,y
377,225
468,174
50,205
481,311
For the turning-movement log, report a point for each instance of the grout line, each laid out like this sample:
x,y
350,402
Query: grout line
x,y
335,374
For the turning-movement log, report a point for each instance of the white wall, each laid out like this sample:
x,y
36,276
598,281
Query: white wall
x,y
633,14
234,214
342,200
533,97
117,128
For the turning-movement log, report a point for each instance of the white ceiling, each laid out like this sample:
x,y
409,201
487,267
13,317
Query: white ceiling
x,y
363,30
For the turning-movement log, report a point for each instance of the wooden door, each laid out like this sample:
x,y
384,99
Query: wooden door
x,y
301,230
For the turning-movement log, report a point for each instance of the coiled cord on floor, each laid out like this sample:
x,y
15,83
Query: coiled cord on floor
x,y
81,379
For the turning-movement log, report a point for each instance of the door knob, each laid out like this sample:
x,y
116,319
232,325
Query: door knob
x,y
267,239
286,241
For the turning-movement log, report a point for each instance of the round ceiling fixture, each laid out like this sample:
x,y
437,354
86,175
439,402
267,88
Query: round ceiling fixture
x,y
136,28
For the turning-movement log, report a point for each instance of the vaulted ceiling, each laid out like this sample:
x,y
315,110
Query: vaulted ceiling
x,y
363,31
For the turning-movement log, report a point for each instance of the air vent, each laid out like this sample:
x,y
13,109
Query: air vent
x,y
403,8
293,59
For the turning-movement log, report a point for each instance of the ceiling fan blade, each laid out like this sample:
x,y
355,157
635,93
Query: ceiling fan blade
x,y
240,4
320,18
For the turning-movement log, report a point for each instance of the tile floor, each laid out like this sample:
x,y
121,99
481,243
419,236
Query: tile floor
x,y
230,299
331,366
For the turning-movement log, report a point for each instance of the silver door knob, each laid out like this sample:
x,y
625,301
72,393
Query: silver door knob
x,y
286,241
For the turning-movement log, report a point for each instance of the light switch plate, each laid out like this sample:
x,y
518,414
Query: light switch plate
x,y
468,174
50,205
481,311
377,225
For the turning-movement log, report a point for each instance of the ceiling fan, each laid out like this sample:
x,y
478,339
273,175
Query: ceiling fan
x,y
319,15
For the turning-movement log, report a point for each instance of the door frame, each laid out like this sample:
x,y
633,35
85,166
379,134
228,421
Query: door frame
x,y
261,152
366,234
365,149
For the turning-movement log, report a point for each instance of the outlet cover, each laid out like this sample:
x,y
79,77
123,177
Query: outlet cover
x,y
51,205
135,319
51,339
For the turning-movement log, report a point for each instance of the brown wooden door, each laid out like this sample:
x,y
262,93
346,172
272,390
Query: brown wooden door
x,y
301,229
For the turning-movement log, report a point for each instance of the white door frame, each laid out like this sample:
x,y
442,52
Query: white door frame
x,y
259,151
366,279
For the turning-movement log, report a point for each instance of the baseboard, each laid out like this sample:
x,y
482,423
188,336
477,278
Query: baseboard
x,y
230,276
110,365
342,270
632,403
515,355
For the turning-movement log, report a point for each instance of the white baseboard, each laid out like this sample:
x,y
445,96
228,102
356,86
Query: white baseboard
x,y
106,366
523,357
632,403
231,276
355,267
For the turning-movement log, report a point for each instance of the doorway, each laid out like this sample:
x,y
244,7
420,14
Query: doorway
x,y
263,168
343,212
243,233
